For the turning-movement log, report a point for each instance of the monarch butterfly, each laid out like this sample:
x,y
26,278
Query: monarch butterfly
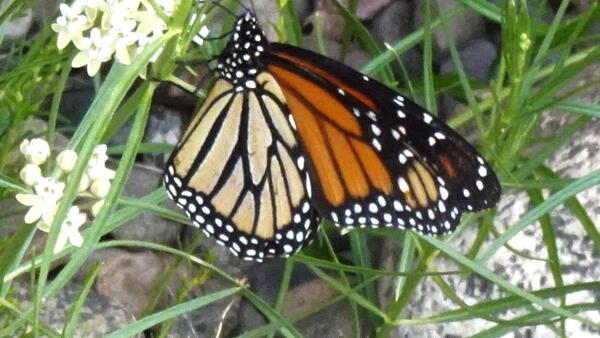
x,y
287,137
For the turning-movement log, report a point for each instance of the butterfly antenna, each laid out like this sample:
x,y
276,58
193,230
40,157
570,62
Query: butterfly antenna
x,y
224,35
224,8
241,3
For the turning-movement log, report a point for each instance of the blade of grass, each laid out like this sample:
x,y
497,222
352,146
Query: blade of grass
x,y
502,283
343,289
532,319
412,281
120,78
344,278
406,258
287,330
147,322
411,40
71,323
14,252
581,214
501,305
550,204
589,109
56,98
549,238
485,8
428,87
358,269
460,70
290,22
542,51
9,183
367,40
118,183
361,257
548,149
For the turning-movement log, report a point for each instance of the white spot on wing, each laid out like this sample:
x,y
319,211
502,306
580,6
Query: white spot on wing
x,y
427,118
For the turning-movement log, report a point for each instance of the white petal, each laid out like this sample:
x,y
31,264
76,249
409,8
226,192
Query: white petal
x,y
61,241
75,238
33,214
28,199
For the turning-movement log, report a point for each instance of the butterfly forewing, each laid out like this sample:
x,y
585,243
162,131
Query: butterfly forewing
x,y
237,173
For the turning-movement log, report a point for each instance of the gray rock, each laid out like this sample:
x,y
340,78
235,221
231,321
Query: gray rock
x,y
147,227
218,319
164,126
477,57
392,24
223,258
46,11
366,10
18,27
576,158
132,279
464,27
264,280
328,19
99,315
303,9
332,321
267,13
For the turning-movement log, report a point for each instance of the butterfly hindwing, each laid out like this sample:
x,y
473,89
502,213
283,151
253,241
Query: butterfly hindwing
x,y
401,167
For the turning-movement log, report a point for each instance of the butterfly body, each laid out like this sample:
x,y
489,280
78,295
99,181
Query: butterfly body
x,y
287,137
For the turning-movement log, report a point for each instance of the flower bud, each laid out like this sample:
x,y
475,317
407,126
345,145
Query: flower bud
x,y
84,183
97,207
36,151
30,174
100,187
66,160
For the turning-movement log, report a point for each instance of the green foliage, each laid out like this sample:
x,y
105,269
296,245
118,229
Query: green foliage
x,y
539,61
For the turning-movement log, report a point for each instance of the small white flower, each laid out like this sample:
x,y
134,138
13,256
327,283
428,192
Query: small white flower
x,y
49,189
119,28
92,7
97,207
95,50
71,24
30,174
125,41
66,160
100,187
36,151
69,230
97,164
99,156
167,6
43,203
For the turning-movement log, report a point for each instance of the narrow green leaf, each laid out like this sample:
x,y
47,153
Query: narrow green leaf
x,y
172,312
550,204
13,254
71,324
502,283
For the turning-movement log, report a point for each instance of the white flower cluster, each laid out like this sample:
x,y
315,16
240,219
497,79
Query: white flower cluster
x,y
47,191
101,29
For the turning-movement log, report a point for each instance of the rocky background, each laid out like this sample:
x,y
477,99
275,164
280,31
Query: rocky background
x,y
126,284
